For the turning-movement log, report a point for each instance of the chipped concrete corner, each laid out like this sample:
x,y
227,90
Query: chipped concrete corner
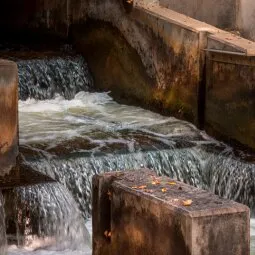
x,y
148,217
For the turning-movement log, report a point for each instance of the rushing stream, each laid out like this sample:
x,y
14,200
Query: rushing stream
x,y
69,133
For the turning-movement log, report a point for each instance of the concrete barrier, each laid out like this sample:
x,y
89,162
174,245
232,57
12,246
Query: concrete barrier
x,y
136,212
3,243
8,115
220,13
230,91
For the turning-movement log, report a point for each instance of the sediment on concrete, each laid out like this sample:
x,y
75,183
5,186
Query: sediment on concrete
x,y
8,116
137,212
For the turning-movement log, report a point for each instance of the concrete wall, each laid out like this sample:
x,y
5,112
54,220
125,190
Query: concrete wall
x,y
143,219
230,93
3,243
226,14
220,13
45,14
142,44
8,116
246,18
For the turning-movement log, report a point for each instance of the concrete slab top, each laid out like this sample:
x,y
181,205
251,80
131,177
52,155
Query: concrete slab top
x,y
175,17
239,43
193,201
4,62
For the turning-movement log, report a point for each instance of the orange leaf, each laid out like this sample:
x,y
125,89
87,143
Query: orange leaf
x,y
187,202
172,183
155,182
164,190
142,187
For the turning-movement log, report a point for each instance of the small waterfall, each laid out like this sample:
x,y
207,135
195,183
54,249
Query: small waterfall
x,y
44,78
45,215
232,178
222,174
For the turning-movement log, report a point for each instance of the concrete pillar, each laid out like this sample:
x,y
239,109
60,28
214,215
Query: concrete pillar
x,y
8,115
136,212
2,227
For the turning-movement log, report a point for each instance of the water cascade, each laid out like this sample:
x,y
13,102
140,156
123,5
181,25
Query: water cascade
x,y
69,133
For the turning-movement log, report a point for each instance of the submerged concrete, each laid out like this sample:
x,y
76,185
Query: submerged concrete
x,y
8,116
136,212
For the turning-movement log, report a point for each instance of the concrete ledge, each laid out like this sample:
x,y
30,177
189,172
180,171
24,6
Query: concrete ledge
x,y
9,115
136,212
217,38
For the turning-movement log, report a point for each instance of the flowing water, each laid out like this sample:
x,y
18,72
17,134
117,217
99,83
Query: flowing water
x,y
69,133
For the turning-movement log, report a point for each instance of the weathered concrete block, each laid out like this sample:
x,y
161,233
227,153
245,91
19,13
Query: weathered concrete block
x,y
230,105
136,212
8,115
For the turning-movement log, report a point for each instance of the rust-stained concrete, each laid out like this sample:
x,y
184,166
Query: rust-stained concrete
x,y
230,92
8,115
143,55
145,214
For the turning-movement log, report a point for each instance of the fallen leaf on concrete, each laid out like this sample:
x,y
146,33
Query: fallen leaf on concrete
x,y
164,190
187,202
142,187
155,182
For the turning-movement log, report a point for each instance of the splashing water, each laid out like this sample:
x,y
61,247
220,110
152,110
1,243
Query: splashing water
x,y
72,136
47,217
43,78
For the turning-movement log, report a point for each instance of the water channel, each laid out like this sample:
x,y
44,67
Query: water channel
x,y
69,132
